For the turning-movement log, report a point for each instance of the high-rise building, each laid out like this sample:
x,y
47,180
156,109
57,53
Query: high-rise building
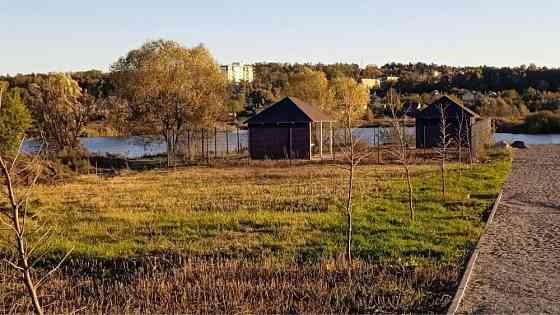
x,y
238,72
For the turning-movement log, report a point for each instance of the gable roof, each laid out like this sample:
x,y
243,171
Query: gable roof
x,y
432,110
289,110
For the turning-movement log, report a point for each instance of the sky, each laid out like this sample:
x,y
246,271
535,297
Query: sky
x,y
63,35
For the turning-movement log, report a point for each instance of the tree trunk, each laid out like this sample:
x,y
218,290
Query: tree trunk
x,y
169,150
20,241
410,192
443,177
349,215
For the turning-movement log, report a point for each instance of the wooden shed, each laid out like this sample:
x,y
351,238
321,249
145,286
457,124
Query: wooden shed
x,y
284,131
461,123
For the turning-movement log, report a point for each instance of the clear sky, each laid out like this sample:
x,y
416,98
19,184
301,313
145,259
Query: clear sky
x,y
64,35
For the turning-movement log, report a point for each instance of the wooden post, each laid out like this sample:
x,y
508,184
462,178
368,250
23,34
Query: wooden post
x,y
321,140
379,145
227,142
215,142
331,140
202,143
238,144
188,144
207,149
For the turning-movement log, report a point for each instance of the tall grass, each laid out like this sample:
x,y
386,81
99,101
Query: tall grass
x,y
187,285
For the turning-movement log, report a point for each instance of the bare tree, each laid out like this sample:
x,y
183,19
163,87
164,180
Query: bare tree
x,y
14,216
462,131
401,153
445,141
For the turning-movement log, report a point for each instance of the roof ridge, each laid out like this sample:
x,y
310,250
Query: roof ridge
x,y
311,113
457,102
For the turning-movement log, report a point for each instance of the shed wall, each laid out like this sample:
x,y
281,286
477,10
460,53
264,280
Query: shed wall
x,y
482,136
279,141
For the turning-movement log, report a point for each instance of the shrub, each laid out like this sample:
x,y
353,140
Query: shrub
x,y
14,121
543,122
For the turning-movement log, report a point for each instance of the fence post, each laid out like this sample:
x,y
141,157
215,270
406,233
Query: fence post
x,y
207,149
215,142
202,143
189,144
321,141
378,145
331,140
227,142
238,144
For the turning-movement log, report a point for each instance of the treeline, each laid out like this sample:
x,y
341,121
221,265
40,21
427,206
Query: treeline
x,y
271,79
160,89
420,77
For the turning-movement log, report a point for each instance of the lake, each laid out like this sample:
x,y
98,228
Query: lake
x,y
135,147
529,139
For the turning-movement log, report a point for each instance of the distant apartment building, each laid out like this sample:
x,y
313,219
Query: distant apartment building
x,y
371,83
238,72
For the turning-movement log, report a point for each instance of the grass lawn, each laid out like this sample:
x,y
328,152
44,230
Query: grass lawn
x,y
221,233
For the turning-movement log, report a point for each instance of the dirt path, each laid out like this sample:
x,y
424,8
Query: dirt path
x,y
518,268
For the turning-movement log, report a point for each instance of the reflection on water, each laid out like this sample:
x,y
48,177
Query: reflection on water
x,y
134,147
529,139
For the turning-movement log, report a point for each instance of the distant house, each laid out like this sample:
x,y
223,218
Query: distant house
x,y
284,130
462,125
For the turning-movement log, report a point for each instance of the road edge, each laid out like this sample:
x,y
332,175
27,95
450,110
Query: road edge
x,y
454,306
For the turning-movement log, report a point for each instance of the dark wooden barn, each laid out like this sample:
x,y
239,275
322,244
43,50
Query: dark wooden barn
x,y
284,131
462,123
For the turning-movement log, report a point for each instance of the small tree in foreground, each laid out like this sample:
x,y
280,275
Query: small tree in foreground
x,y
350,101
14,217
393,100
444,143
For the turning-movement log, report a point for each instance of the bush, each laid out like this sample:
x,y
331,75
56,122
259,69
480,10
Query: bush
x,y
543,122
14,121
76,159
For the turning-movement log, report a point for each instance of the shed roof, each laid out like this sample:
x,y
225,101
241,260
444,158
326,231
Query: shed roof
x,y
432,110
288,110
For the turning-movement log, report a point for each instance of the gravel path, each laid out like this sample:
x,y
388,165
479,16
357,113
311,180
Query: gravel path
x,y
518,268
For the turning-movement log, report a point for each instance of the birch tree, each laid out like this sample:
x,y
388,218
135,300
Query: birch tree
x,y
350,103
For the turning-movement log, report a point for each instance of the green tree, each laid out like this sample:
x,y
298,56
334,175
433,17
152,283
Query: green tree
x,y
170,88
60,109
14,119
312,87
234,104
350,100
